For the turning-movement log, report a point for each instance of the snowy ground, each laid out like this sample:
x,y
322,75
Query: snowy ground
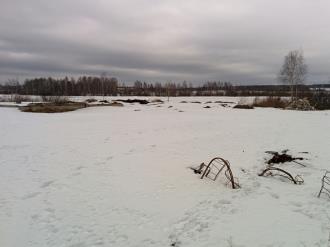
x,y
118,176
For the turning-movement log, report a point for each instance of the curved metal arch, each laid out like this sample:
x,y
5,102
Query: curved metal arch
x,y
224,164
297,180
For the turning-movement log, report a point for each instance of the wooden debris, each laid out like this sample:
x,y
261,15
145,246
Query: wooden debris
x,y
283,157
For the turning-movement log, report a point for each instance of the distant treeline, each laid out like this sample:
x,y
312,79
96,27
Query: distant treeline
x,y
109,86
85,85
176,89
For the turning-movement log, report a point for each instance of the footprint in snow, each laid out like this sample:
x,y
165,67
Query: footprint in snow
x,y
148,241
296,204
78,245
109,158
99,163
46,184
274,195
76,174
130,151
30,195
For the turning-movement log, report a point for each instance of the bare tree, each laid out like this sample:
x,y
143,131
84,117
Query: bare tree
x,y
13,84
293,71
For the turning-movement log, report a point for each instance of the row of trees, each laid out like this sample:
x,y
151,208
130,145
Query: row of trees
x,y
104,86
176,89
292,74
85,85
110,86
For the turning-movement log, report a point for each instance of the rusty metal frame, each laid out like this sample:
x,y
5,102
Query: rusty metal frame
x,y
223,164
325,181
297,180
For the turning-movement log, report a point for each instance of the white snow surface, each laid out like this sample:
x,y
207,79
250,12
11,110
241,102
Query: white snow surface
x,y
119,176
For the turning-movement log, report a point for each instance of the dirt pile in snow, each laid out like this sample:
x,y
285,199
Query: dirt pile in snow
x,y
115,103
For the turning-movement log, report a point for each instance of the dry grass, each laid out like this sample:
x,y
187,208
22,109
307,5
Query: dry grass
x,y
52,107
115,103
239,106
275,102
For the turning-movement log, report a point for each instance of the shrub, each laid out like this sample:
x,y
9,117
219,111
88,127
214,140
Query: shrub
x,y
157,101
320,100
17,98
90,100
55,99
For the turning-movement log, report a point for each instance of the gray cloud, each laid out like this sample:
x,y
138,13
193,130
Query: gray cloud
x,y
242,41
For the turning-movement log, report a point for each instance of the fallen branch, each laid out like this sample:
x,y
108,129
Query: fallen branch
x,y
299,163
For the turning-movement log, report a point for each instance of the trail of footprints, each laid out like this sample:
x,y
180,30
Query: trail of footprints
x,y
196,224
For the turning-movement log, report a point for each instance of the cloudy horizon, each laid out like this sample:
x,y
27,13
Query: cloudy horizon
x,y
175,40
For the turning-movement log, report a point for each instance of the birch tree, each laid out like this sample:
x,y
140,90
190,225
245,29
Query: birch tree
x,y
293,71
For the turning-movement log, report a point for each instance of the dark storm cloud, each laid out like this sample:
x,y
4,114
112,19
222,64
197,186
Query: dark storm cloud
x,y
242,41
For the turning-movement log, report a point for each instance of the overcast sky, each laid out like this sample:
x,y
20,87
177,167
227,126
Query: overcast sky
x,y
243,41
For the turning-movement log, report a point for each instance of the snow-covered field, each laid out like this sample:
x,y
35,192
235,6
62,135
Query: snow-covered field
x,y
119,176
